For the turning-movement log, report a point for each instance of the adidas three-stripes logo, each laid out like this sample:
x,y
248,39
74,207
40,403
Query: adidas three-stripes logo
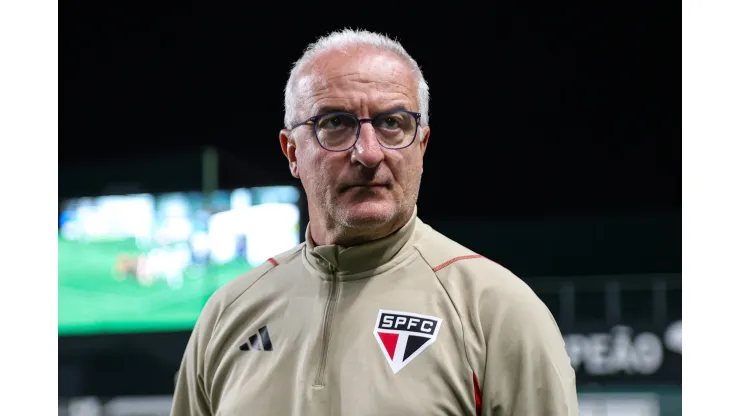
x,y
258,342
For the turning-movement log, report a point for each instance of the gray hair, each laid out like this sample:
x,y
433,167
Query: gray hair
x,y
342,39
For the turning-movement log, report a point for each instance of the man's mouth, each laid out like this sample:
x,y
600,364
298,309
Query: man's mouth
x,y
371,185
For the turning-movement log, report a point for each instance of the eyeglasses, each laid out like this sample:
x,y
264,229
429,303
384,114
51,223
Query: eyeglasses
x,y
338,132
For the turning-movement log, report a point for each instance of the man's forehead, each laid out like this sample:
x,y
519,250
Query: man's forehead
x,y
337,67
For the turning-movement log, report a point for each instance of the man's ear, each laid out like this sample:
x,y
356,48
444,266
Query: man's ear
x,y
424,140
287,143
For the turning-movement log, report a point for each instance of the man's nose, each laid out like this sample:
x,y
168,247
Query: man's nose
x,y
367,150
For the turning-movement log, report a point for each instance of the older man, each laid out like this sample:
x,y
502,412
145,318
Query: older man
x,y
376,313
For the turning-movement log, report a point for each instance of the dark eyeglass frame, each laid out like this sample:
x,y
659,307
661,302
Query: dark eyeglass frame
x,y
315,121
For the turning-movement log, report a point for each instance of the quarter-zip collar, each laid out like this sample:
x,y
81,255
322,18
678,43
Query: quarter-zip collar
x,y
354,262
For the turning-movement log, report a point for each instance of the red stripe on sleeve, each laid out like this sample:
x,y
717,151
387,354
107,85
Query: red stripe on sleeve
x,y
454,259
478,406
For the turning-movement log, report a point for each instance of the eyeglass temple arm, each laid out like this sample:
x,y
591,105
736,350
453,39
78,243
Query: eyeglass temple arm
x,y
309,121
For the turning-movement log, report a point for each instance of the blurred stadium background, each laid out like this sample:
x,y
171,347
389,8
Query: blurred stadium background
x,y
555,151
135,268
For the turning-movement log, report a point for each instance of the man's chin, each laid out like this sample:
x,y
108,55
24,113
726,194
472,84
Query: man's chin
x,y
369,214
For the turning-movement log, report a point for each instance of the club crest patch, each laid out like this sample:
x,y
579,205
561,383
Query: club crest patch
x,y
402,336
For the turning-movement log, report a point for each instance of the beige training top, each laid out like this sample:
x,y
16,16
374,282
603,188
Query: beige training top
x,y
412,324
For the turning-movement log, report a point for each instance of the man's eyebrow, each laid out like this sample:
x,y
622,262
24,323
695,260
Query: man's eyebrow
x,y
331,109
395,107
339,109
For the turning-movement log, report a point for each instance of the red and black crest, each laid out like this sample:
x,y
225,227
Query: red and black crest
x,y
404,335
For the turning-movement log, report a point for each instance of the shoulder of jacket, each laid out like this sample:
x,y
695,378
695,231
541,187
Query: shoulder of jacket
x,y
473,281
443,254
449,259
227,294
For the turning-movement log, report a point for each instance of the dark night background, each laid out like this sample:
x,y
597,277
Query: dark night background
x,y
535,110
538,111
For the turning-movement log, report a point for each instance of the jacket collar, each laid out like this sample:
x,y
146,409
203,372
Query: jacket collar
x,y
348,263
